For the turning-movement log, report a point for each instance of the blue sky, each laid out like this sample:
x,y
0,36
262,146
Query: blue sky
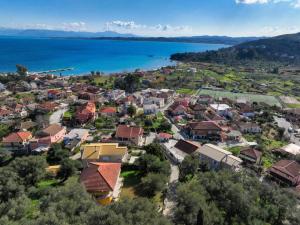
x,y
156,17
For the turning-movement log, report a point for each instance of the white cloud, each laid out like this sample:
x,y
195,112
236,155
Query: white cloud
x,y
71,26
158,29
252,1
293,3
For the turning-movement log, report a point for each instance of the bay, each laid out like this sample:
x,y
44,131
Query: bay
x,y
85,55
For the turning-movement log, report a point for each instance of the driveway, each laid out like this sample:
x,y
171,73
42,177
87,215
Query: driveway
x,y
150,138
57,115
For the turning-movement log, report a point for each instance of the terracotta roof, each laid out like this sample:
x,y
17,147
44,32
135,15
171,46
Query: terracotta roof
x,y
125,131
17,137
100,177
165,135
186,146
53,129
252,153
289,169
204,125
109,110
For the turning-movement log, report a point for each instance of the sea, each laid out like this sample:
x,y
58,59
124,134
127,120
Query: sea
x,y
86,55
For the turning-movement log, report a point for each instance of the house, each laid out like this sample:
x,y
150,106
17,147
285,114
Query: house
x,y
86,113
6,114
178,150
88,96
103,152
233,136
27,125
205,99
251,128
245,109
150,109
55,94
47,107
48,136
160,102
205,130
216,158
115,95
286,172
163,137
17,141
131,134
221,109
251,155
75,137
101,180
290,149
198,110
176,109
108,111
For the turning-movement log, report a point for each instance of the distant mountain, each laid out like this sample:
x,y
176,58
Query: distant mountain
x,y
194,39
59,33
284,49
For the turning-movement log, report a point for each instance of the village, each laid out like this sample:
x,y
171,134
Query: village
x,y
128,133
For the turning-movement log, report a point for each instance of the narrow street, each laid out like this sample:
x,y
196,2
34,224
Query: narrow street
x,y
55,118
169,201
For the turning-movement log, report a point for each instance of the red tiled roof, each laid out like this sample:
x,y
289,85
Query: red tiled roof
x,y
289,169
186,146
165,135
53,129
124,131
252,153
205,125
109,110
100,177
17,137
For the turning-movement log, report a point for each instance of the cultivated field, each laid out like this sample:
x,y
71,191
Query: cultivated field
x,y
270,100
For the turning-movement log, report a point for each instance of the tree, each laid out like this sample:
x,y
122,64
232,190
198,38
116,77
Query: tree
x,y
4,130
131,111
57,154
68,168
189,167
138,211
151,163
21,70
31,169
153,183
165,126
10,185
155,149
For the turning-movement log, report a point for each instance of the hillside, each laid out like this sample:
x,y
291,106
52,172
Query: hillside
x,y
284,49
194,39
59,33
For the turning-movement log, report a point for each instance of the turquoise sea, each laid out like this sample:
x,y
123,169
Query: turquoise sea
x,y
40,54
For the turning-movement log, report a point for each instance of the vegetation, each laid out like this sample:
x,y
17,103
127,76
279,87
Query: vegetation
x,y
233,198
263,50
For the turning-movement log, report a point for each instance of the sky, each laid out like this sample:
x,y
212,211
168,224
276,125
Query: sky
x,y
156,17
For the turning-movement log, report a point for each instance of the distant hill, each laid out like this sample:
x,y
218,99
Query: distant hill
x,y
194,39
59,33
284,49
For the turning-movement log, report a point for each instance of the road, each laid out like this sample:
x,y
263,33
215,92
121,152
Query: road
x,y
170,200
283,123
57,115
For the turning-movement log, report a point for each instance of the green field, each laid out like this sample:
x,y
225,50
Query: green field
x,y
270,100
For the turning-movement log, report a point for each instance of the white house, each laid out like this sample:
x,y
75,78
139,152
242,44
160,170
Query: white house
x,y
150,109
221,109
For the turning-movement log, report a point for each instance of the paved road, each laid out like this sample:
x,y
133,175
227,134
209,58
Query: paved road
x,y
57,115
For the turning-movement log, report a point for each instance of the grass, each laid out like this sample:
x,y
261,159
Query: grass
x,y
186,91
270,100
293,106
132,179
235,150
47,183
68,114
